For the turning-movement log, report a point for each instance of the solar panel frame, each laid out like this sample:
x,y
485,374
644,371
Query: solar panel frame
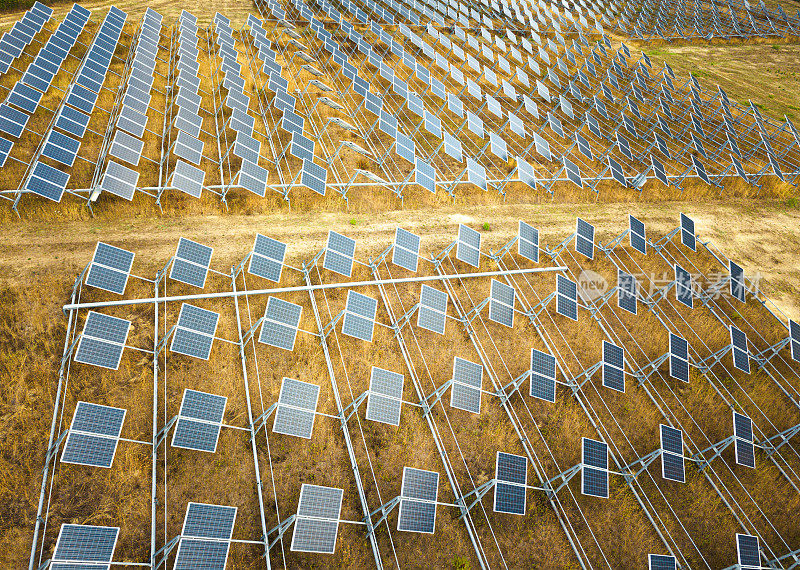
x,y
191,263
296,418
405,252
339,254
419,493
385,398
106,350
85,544
359,316
467,383
317,523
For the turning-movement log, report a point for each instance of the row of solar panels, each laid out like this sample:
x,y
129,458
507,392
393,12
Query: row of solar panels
x,y
14,42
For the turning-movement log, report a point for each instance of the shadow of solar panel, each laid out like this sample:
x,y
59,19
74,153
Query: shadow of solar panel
x,y
465,393
359,316
510,492
199,421
584,238
297,404
339,254
85,544
317,522
501,303
194,333
468,245
209,521
613,367
102,341
741,358
47,181
61,148
747,551
405,253
418,493
528,242
188,179
267,258
119,180
660,562
207,554
687,231
384,401
110,268
683,287
191,263
566,298
281,322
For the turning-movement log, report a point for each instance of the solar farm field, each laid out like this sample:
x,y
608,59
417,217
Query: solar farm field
x,y
473,284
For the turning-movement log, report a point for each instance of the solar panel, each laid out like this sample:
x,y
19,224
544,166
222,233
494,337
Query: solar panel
x,y
418,493
743,439
501,303
339,254
128,148
738,287
672,463
102,341
81,546
188,179
637,235
267,258
573,172
687,232
385,397
613,367
61,148
93,436
281,322
747,551
359,316
47,181
584,238
661,562
191,263
425,175
199,421
187,147
297,404
566,297
119,180
741,358
432,312
5,149
794,335
678,358
405,253
317,522
465,393
110,268
194,333
468,246
683,286
594,472
627,287
511,473
205,538
528,242
476,174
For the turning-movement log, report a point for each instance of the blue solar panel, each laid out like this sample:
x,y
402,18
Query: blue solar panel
x,y
317,522
93,435
741,358
626,291
528,244
191,263
359,316
418,494
314,177
339,254
84,543
24,97
687,231
12,121
297,403
405,253
747,551
102,341
511,474
110,268
72,121
661,562
5,149
209,521
566,297
194,333
613,367
584,238
61,148
683,286
468,245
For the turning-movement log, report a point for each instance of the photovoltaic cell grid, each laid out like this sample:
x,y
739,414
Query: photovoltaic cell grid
x,y
102,341
468,246
199,421
110,268
528,242
511,472
738,287
741,358
584,238
747,551
501,303
672,464
405,253
281,323
543,376
613,367
194,333
626,291
683,286
84,546
93,436
678,358
419,493
205,539
297,404
637,235
660,562
743,440
339,254
432,312
794,340
566,297
594,472
267,258
385,397
191,263
687,232
465,393
317,522
359,316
